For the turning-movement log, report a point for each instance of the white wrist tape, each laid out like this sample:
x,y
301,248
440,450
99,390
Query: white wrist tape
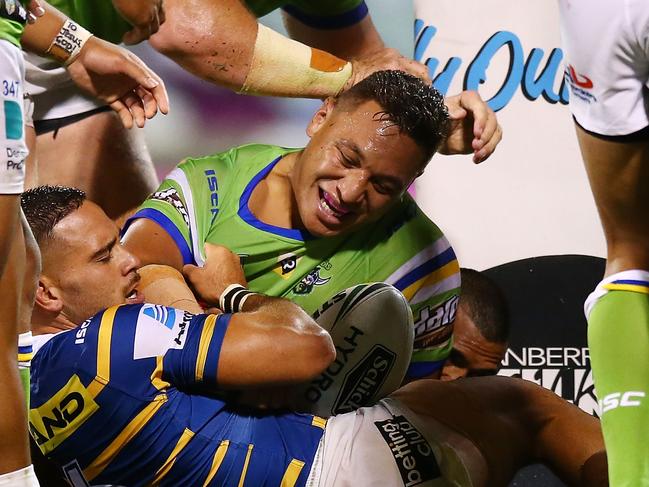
x,y
68,43
233,298
283,67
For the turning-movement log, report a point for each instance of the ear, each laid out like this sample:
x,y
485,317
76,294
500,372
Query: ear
x,y
48,297
321,116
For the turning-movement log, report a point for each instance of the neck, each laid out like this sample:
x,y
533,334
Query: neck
x,y
276,187
46,323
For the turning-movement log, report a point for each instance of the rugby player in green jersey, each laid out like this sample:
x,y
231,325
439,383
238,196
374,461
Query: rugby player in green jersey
x,y
130,395
311,222
334,44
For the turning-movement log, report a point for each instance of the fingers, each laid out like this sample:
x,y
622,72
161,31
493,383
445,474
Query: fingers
x,y
486,131
386,59
148,101
34,10
135,106
123,112
455,110
146,28
489,147
147,79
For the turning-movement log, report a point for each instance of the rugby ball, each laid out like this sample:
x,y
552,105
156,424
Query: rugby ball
x,y
372,328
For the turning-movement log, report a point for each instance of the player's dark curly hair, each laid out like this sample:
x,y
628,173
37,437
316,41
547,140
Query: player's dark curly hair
x,y
45,206
416,108
486,304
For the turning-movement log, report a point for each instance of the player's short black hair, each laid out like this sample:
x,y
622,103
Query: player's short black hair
x,y
45,206
486,305
415,107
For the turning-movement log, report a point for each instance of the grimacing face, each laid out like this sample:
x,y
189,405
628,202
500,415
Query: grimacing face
x,y
88,266
355,167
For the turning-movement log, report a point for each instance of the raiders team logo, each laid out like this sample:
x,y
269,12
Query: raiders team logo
x,y
412,453
172,197
312,279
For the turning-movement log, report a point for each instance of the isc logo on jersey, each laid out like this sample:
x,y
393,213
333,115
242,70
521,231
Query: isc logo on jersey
x,y
621,400
159,329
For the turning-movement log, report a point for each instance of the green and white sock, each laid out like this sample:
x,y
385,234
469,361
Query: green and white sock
x,y
618,337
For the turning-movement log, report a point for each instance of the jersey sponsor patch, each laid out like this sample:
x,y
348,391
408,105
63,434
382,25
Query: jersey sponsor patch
x,y
54,421
172,197
580,85
412,453
286,264
159,329
432,327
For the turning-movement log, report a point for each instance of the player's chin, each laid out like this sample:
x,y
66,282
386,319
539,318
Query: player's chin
x,y
332,227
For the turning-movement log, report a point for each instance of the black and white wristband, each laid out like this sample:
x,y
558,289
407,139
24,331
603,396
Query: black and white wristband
x,y
233,298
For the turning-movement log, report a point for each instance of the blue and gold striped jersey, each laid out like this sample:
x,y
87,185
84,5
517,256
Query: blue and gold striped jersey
x,y
131,395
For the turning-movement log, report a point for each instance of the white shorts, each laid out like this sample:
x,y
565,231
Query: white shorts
x,y
386,445
24,477
12,120
52,91
606,46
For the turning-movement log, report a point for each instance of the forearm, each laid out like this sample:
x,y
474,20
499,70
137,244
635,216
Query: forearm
x,y
230,48
166,286
38,36
215,45
350,43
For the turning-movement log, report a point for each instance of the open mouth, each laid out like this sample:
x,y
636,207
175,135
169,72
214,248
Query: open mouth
x,y
134,296
331,207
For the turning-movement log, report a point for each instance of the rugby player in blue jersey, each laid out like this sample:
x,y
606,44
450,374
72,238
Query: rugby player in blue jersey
x,y
136,394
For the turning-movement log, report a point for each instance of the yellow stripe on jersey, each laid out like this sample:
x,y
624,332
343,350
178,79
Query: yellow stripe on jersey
x,y
292,473
242,479
183,441
443,272
216,463
204,346
58,418
127,434
102,376
319,422
156,376
627,287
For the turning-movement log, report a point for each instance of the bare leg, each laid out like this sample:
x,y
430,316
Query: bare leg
x,y
98,155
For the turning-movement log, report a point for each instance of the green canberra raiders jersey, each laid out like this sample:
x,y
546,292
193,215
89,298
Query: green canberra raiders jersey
x,y
206,200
